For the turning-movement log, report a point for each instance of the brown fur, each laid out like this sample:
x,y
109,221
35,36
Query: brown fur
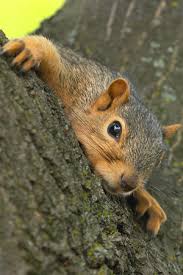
x,y
93,98
170,130
146,203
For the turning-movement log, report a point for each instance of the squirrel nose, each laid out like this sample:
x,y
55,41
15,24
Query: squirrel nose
x,y
128,183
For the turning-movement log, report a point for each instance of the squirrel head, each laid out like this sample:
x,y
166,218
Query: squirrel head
x,y
122,138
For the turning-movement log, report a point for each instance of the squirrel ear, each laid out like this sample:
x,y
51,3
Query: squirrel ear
x,y
117,94
119,88
170,130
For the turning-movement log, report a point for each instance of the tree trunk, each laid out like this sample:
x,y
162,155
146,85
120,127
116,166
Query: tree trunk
x,y
55,216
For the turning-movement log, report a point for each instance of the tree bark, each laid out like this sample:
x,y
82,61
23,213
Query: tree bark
x,y
55,216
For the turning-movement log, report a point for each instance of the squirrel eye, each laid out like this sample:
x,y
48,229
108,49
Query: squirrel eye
x,y
115,129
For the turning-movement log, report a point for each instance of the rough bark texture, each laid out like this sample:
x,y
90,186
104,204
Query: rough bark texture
x,y
55,216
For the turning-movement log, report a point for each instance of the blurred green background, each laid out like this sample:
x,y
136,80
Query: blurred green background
x,y
19,17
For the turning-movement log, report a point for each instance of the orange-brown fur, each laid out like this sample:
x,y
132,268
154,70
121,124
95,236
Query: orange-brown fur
x,y
88,120
146,203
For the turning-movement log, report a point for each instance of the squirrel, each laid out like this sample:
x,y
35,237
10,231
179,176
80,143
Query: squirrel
x,y
122,139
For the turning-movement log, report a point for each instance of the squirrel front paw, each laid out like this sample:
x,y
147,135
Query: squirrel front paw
x,y
25,52
146,203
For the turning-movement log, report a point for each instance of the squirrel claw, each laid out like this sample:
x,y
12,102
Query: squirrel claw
x,y
153,225
156,217
26,54
28,65
13,47
146,203
21,57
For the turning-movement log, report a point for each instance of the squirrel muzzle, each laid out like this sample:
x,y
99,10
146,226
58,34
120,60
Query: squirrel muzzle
x,y
128,183
120,178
